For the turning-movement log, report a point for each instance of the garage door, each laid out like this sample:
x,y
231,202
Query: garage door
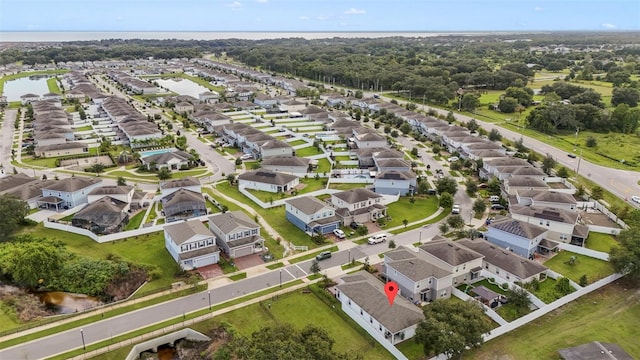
x,y
242,252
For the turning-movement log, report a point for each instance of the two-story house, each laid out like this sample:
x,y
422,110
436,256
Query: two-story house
x,y
463,263
311,215
68,193
367,138
286,164
419,280
395,183
236,234
191,244
358,205
504,263
519,183
363,299
541,198
187,183
562,224
518,236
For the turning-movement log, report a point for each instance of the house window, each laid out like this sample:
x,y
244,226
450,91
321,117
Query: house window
x,y
380,328
497,271
349,302
361,312
547,223
370,320
254,231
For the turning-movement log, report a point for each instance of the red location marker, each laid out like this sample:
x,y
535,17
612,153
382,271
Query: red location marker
x,y
391,289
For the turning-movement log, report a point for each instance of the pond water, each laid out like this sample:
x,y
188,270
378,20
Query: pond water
x,y
166,352
182,86
67,303
27,85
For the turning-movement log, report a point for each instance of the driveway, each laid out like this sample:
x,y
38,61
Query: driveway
x,y
248,261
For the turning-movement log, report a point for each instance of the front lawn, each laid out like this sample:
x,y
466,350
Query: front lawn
x,y
609,314
601,242
301,309
297,142
594,269
308,151
424,206
44,162
143,249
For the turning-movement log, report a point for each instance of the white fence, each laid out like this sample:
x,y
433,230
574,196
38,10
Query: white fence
x,y
584,251
281,202
604,229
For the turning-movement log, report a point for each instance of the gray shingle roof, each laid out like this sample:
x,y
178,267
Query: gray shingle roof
x,y
548,196
267,177
73,184
518,228
449,252
414,265
368,294
356,195
178,183
286,161
185,230
525,181
546,213
104,212
230,221
307,204
275,144
111,190
506,260
396,175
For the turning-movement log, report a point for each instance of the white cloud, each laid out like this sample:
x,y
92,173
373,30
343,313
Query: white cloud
x,y
235,4
537,9
322,18
303,17
262,1
608,26
354,11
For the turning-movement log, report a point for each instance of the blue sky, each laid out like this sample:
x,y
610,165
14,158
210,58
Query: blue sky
x,y
318,15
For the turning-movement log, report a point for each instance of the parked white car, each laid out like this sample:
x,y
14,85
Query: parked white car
x,y
339,233
635,199
246,157
376,239
455,209
453,158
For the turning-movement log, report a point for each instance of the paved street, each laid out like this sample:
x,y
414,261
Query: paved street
x,y
6,139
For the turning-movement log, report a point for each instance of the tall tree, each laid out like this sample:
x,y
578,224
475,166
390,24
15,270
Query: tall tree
x,y
12,213
164,174
447,184
626,257
548,163
450,327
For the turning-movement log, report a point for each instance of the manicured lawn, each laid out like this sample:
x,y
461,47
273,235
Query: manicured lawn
x,y
8,318
594,269
239,276
44,162
302,309
488,285
297,142
442,215
143,249
345,186
308,151
84,128
52,84
547,291
274,216
135,220
275,266
229,204
601,242
423,207
608,315
324,166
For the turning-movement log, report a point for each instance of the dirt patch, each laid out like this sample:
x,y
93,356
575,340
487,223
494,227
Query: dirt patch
x,y
26,306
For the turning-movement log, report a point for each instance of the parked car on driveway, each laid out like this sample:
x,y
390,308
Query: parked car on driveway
x,y
339,233
455,209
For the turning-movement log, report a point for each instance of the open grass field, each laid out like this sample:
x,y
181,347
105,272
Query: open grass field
x,y
594,269
8,319
196,80
601,242
302,309
274,216
144,249
43,162
610,314
423,207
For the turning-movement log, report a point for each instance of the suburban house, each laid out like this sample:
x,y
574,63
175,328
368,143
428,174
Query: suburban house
x,y
183,107
275,147
187,183
269,181
419,279
311,215
463,263
365,138
63,149
236,234
358,205
391,164
519,183
504,263
191,244
541,198
172,160
365,156
562,224
394,183
514,235
121,193
183,204
363,299
490,167
210,97
286,164
24,187
68,193
104,216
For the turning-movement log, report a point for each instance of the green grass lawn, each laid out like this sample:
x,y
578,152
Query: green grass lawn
x,y
84,128
423,207
594,269
547,291
52,84
44,162
324,166
510,312
442,215
345,186
601,242
220,200
143,249
308,151
576,323
297,142
135,220
302,309
239,276
8,319
274,216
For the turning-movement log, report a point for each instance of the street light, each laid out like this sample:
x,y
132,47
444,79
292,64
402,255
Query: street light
x,y
209,293
84,347
420,240
349,256
281,278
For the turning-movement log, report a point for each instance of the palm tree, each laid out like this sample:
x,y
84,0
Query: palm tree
x,y
164,174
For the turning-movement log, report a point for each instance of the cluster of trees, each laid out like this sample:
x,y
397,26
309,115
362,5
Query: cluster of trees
x,y
626,257
12,214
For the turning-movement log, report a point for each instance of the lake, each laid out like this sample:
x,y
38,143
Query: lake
x,y
182,86
15,88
